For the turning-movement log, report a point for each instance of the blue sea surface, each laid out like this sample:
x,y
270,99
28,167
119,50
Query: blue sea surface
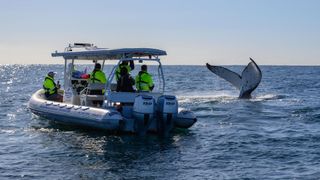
x,y
274,135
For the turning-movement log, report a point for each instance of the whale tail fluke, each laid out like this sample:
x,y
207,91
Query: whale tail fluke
x,y
226,74
248,81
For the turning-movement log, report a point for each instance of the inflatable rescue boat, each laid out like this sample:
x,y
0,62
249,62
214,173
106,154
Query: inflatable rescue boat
x,y
135,112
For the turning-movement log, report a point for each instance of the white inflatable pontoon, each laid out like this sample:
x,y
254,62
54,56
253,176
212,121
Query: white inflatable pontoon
x,y
140,112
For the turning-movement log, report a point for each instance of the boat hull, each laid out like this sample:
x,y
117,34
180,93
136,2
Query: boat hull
x,y
105,118
185,119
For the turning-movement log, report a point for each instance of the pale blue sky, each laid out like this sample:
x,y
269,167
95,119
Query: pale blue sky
x,y
280,32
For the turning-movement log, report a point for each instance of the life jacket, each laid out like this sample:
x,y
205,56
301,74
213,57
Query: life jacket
x,y
98,77
118,71
144,81
49,86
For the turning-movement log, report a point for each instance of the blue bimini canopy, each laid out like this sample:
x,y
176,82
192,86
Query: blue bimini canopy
x,y
110,54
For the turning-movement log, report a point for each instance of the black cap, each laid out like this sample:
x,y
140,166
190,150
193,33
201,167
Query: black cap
x,y
124,62
51,73
144,67
97,66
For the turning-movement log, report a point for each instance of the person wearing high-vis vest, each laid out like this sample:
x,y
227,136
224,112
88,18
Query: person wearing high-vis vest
x,y
144,80
98,76
124,64
125,83
51,88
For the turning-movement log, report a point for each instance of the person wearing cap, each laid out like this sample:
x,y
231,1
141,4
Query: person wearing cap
x,y
144,80
124,64
125,83
98,76
51,88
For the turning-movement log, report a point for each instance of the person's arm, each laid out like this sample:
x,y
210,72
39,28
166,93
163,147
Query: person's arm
x,y
132,81
131,65
58,86
103,78
48,85
51,86
118,85
117,72
150,82
136,82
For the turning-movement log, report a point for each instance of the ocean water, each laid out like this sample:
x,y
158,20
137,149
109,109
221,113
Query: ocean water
x,y
274,135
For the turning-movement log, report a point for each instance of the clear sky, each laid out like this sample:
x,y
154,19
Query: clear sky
x,y
273,32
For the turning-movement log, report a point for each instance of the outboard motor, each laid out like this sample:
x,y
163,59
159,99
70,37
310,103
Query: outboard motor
x,y
143,113
167,111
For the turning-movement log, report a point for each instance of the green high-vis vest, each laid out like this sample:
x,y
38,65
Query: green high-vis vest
x,y
144,81
49,86
98,77
119,70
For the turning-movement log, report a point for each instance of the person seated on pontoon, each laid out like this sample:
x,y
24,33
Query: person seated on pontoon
x,y
98,76
124,64
125,82
144,80
51,88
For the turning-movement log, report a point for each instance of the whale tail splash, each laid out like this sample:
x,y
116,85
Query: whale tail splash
x,y
248,81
